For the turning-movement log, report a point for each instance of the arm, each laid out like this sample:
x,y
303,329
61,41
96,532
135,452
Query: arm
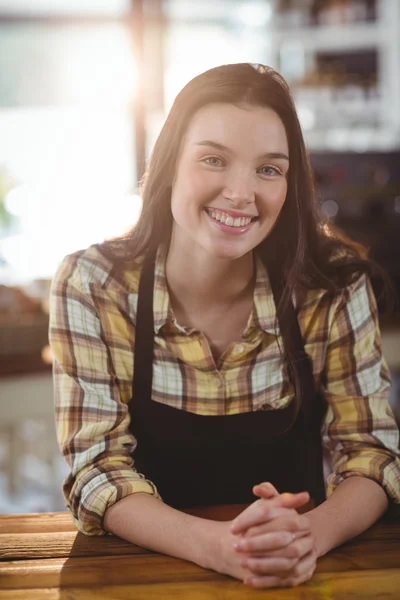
x,y
161,528
91,342
360,430
354,506
205,542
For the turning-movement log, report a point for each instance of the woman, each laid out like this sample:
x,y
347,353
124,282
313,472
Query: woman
x,y
221,344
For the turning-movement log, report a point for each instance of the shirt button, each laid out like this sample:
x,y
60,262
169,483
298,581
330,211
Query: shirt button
x,y
239,349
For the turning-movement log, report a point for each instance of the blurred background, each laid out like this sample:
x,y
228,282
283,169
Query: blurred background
x,y
84,88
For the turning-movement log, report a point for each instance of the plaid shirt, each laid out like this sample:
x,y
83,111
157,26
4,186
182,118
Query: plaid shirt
x,y
92,330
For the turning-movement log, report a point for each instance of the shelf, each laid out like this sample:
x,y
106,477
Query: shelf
x,y
333,38
354,139
369,50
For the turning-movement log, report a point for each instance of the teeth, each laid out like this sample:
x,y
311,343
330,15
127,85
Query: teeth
x,y
228,220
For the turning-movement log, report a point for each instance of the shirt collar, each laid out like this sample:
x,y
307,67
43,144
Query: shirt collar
x,y
264,310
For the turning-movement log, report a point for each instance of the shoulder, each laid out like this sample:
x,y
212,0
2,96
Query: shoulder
x,y
357,304
91,268
353,305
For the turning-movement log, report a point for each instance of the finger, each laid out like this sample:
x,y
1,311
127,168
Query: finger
x,y
265,543
265,490
269,566
279,544
303,568
294,500
300,548
263,582
291,500
261,512
257,513
302,571
297,549
295,524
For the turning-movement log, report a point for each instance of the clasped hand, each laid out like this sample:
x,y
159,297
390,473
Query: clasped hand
x,y
269,544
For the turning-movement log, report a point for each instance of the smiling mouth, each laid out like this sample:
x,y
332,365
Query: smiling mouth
x,y
226,219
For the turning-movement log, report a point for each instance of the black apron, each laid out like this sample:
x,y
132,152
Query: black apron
x,y
197,460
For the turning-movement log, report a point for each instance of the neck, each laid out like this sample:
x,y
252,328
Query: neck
x,y
207,280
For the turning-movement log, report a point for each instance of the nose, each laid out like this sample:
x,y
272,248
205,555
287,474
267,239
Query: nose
x,y
239,188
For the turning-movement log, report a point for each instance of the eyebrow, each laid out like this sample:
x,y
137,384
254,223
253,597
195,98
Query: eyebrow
x,y
224,148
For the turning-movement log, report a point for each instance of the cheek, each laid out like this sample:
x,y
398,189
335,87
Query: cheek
x,y
194,188
274,198
281,196
181,193
202,182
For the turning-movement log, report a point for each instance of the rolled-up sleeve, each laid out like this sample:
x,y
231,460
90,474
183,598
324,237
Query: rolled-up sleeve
x,y
360,431
92,421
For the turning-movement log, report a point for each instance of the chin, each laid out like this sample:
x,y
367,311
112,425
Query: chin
x,y
224,253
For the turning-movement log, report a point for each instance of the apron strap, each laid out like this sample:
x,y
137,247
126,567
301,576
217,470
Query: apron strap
x,y
310,403
313,404
144,335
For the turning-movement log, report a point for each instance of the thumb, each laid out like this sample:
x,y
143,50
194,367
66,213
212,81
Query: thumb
x,y
286,500
265,490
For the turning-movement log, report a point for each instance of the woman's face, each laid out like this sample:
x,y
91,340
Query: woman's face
x,y
231,180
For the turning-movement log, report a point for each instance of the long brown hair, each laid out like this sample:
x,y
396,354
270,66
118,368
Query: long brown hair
x,y
306,251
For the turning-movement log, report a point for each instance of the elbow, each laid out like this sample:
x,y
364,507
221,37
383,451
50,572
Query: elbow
x,y
90,497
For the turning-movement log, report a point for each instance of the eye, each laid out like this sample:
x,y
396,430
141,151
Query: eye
x,y
269,171
213,161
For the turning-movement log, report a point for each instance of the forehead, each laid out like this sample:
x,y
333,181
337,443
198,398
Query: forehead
x,y
238,127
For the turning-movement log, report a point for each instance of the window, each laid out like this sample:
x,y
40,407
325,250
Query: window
x,y
67,165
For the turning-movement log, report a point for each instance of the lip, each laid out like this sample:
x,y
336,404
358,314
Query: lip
x,y
234,231
235,214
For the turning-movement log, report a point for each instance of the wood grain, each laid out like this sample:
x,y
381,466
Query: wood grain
x,y
42,556
365,552
65,544
37,523
92,571
55,536
62,521
142,567
343,586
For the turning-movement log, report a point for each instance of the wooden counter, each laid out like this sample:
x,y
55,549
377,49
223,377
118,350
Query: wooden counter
x,y
43,557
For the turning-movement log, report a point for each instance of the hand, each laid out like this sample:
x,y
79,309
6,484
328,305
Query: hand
x,y
280,552
229,561
268,507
